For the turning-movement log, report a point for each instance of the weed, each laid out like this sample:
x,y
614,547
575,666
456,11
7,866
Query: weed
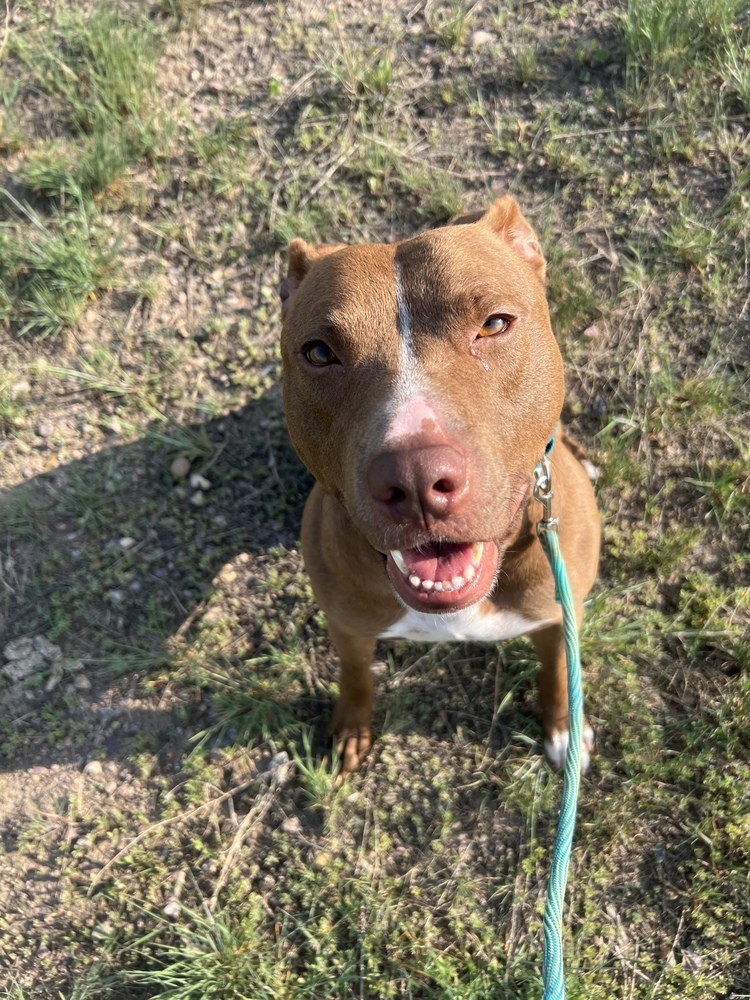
x,y
449,23
51,270
526,65
98,65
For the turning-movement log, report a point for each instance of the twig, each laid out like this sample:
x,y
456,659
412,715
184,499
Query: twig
x,y
254,816
337,163
6,31
165,822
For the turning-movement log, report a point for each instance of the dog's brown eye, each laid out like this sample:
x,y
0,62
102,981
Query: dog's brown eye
x,y
494,325
319,354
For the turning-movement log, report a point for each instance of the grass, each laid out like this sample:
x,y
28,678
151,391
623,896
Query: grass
x,y
158,159
51,269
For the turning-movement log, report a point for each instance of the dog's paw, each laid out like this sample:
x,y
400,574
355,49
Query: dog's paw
x,y
557,748
350,727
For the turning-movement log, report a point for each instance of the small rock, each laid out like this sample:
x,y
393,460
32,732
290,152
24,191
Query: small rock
x,y
55,677
48,649
73,666
44,430
19,389
17,670
226,574
172,909
110,787
292,825
18,649
113,426
480,39
179,468
82,683
199,482
94,769
197,499
115,596
127,543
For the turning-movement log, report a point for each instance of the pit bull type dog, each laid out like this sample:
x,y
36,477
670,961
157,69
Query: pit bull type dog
x,y
422,383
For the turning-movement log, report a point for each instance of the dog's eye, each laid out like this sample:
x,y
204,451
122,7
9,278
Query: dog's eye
x,y
319,354
495,325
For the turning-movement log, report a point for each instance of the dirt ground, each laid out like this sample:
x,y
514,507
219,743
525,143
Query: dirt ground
x,y
165,677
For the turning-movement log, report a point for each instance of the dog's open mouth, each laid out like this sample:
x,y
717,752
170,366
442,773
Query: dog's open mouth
x,y
443,576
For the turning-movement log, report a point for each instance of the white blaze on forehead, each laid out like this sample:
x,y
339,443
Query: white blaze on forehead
x,y
404,319
411,413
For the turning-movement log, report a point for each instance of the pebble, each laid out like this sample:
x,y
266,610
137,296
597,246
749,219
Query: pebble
x,y
226,574
19,389
180,467
18,669
197,499
199,482
44,430
480,39
127,543
82,683
94,769
18,649
292,825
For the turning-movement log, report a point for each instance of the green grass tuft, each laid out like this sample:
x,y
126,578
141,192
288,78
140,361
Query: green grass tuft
x,y
51,270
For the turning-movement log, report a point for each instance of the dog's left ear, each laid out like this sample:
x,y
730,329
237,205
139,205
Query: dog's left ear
x,y
505,220
301,256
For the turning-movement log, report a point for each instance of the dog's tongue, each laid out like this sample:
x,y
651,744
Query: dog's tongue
x,y
441,561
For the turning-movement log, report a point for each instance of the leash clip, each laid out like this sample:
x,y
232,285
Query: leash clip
x,y
543,493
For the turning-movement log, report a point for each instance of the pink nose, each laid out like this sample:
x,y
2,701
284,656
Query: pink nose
x,y
419,484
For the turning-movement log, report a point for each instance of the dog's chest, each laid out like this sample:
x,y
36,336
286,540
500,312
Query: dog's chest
x,y
468,625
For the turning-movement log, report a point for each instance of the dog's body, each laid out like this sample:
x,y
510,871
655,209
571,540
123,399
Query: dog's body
x,y
422,383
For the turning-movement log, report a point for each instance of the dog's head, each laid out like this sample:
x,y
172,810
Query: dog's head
x,y
421,384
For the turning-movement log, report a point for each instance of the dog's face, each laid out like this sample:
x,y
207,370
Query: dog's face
x,y
421,384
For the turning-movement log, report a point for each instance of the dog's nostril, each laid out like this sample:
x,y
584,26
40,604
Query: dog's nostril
x,y
444,486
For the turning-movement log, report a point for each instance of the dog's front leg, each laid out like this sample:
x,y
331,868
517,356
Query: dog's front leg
x,y
552,682
352,714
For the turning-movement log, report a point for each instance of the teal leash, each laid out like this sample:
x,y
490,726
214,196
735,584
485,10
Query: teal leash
x,y
547,530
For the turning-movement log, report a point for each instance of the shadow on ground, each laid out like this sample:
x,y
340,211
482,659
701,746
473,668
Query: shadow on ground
x,y
108,557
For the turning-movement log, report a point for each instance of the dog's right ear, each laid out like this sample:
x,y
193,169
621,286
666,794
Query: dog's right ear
x,y
301,256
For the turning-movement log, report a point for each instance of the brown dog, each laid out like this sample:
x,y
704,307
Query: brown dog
x,y
422,382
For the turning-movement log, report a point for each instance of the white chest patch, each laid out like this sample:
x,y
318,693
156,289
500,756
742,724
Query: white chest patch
x,y
461,626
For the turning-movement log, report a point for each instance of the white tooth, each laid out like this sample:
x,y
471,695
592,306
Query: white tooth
x,y
399,561
414,580
438,585
447,587
476,551
469,572
428,584
458,582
